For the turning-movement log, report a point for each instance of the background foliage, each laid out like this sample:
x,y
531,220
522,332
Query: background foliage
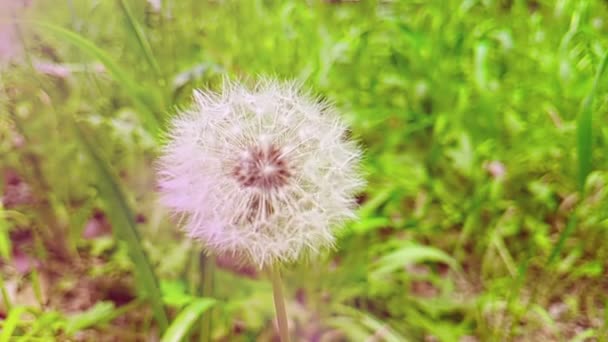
x,y
485,217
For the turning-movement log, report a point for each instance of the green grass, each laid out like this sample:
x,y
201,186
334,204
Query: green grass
x,y
486,213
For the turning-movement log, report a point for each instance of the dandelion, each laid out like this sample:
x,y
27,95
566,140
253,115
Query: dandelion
x,y
265,174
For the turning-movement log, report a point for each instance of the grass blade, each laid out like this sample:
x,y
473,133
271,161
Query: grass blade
x,y
142,40
123,226
47,324
584,142
411,254
379,330
145,99
184,321
5,240
584,129
101,313
10,324
562,239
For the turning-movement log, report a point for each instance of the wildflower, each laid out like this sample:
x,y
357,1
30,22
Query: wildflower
x,y
264,174
496,169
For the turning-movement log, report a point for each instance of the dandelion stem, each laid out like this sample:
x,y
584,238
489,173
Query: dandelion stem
x,y
279,303
207,266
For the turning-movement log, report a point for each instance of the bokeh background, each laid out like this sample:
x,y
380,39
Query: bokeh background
x,y
483,121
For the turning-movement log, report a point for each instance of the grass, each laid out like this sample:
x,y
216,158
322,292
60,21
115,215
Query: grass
x,y
485,217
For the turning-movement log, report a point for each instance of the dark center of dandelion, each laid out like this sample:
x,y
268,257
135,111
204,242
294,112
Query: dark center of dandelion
x,y
263,167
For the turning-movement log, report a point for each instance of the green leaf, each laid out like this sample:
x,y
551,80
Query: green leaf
x,y
174,293
371,205
353,329
381,328
10,324
411,254
101,313
47,324
360,326
463,155
585,335
186,318
366,225
584,129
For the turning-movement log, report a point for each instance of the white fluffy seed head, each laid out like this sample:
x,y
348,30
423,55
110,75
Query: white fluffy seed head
x,y
265,174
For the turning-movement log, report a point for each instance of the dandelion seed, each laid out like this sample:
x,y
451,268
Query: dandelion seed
x,y
266,174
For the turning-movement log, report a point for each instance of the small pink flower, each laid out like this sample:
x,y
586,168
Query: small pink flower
x,y
496,169
53,69
264,174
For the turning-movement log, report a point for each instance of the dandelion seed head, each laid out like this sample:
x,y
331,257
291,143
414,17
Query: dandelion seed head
x,y
265,174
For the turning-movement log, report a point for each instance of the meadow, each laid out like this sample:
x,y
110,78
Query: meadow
x,y
484,218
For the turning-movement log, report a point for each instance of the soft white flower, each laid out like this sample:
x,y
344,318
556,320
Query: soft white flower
x,y
265,174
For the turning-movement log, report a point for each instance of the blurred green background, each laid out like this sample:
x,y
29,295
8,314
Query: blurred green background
x,y
485,216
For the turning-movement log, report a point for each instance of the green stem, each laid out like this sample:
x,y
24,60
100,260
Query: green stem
x,y
279,303
5,298
207,268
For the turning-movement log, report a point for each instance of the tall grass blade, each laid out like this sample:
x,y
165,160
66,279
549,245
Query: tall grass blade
x,y
5,240
584,129
123,226
146,99
142,40
562,239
